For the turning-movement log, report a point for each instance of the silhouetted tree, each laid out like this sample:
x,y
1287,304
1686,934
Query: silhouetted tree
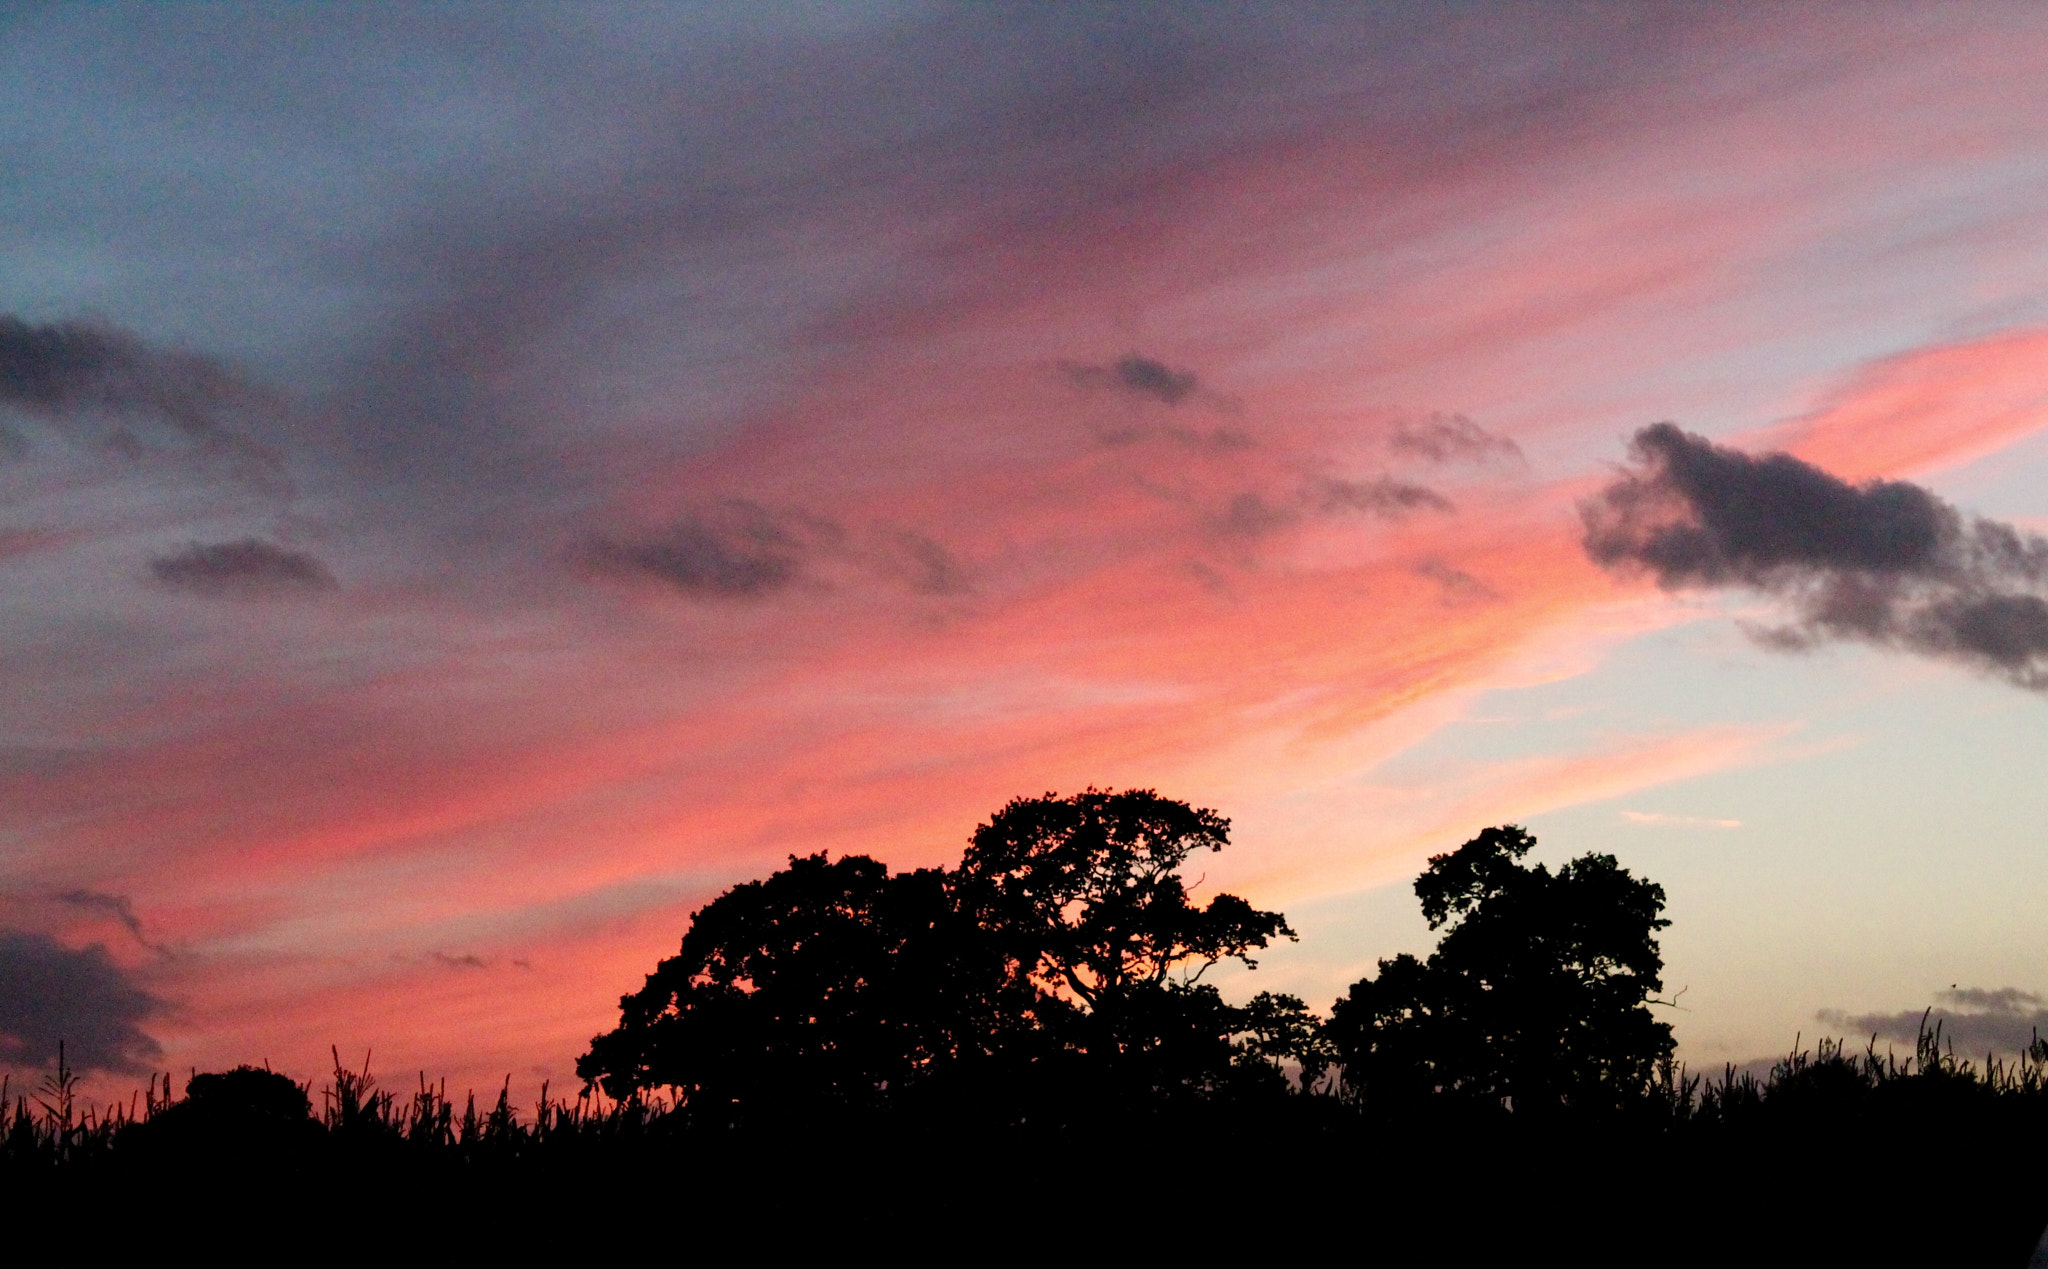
x,y
1536,994
1085,897
1056,970
1275,1031
1086,890
826,987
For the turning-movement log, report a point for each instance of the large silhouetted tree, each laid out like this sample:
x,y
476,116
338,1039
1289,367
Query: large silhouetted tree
x,y
1085,895
1087,891
1055,971
1536,996
826,987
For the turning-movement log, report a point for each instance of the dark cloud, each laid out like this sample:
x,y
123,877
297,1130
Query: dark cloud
x,y
69,366
1381,496
1140,376
1884,562
740,550
82,372
1976,1020
1443,438
245,569
1458,585
117,906
1211,579
929,567
50,993
1155,379
1252,514
468,960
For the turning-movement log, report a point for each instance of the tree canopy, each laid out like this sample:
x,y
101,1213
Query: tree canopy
x,y
1062,955
1086,892
1536,996
1057,972
827,985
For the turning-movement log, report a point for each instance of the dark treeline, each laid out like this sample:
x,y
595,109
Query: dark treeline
x,y
1032,1031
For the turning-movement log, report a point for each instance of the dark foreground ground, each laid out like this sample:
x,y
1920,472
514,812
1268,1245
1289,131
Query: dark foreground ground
x,y
1207,1190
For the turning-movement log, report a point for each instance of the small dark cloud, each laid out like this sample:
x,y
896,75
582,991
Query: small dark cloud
x,y
1458,585
1443,438
468,960
1140,376
1251,516
117,906
1884,562
1155,379
50,993
930,568
1381,496
1210,578
739,550
1976,1020
249,568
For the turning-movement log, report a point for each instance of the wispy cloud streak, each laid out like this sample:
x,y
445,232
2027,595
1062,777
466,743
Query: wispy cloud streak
x,y
118,906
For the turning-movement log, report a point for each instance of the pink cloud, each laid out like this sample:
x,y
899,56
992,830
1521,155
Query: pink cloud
x,y
1926,408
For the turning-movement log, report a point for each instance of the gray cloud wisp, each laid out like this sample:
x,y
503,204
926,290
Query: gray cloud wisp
x,y
1381,496
1139,376
1252,515
1884,562
740,550
1445,438
244,569
1973,1019
118,906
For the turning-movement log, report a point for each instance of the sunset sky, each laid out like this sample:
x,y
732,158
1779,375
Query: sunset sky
x,y
478,481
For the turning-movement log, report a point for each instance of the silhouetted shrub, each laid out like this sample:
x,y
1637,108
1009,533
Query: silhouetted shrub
x,y
246,1117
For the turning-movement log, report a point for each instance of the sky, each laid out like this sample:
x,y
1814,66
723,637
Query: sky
x,y
477,481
